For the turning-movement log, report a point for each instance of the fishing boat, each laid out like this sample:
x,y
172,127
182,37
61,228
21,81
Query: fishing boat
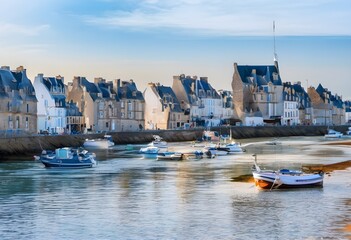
x,y
285,178
158,142
99,143
333,134
67,158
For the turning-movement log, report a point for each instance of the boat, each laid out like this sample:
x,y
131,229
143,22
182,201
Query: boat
x,y
170,156
99,143
67,158
213,151
285,178
333,134
158,142
348,132
149,152
233,147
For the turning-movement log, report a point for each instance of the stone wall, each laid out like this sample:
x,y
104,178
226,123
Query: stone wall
x,y
31,145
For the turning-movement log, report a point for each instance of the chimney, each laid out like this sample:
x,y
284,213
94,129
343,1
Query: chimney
x,y
5,68
20,69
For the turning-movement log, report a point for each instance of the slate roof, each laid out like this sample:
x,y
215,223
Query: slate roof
x,y
91,88
107,89
126,91
164,91
201,84
264,74
16,81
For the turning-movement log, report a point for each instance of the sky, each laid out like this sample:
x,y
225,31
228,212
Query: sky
x,y
154,40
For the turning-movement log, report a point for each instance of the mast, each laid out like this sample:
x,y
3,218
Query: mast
x,y
275,52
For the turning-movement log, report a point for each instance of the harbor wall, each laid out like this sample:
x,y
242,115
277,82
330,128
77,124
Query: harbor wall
x,y
30,145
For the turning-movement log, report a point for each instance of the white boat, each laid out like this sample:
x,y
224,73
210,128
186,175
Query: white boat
x,y
333,134
149,152
67,158
233,147
285,178
158,142
99,143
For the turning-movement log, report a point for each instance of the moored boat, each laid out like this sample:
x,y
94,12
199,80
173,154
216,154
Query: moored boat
x,y
158,142
67,158
99,143
333,134
149,152
285,178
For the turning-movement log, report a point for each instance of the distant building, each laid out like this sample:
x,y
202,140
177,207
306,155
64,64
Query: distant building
x,y
321,104
291,101
347,112
257,94
132,105
162,108
51,95
199,100
87,96
109,118
18,105
304,105
74,119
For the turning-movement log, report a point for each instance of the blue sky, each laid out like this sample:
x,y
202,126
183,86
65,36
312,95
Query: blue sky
x,y
153,40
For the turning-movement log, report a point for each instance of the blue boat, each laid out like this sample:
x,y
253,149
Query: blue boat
x,y
67,158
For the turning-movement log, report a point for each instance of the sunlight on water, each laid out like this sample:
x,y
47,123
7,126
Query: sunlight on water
x,y
127,197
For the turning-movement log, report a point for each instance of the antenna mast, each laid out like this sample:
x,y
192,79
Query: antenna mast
x,y
275,53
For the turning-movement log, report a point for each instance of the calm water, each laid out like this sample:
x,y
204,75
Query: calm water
x,y
132,198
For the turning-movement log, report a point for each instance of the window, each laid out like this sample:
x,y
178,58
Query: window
x,y
27,107
27,125
106,124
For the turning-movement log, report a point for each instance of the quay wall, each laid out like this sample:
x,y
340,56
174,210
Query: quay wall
x,y
30,145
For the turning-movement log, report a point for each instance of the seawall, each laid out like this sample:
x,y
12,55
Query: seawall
x,y
30,145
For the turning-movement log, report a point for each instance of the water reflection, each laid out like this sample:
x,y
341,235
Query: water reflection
x,y
134,198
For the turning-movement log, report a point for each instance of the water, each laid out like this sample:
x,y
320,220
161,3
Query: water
x,y
132,198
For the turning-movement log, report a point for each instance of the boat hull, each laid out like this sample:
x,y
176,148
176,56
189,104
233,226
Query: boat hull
x,y
58,164
274,180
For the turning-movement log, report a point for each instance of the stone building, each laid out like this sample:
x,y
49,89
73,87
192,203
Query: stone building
x,y
109,117
257,93
87,96
132,105
18,105
321,104
199,100
162,108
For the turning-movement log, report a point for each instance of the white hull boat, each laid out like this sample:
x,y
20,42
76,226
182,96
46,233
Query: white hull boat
x,y
333,134
99,143
285,178
149,152
158,142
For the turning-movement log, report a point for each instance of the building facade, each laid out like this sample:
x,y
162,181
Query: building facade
x,y
18,105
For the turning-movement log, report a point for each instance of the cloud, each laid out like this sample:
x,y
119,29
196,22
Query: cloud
x,y
221,17
17,29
